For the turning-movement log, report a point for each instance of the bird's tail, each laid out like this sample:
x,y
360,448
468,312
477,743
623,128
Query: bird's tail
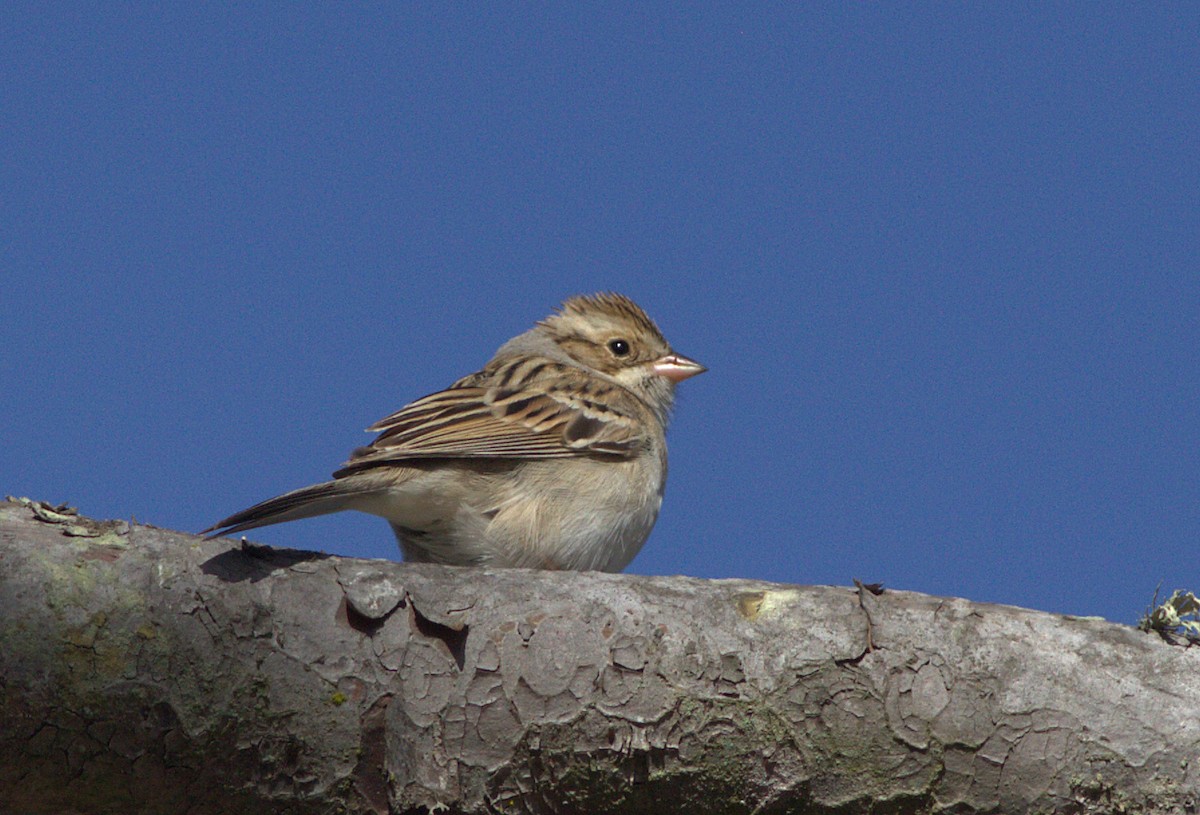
x,y
306,502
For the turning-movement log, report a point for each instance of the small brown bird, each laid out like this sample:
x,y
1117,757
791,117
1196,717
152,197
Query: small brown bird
x,y
553,456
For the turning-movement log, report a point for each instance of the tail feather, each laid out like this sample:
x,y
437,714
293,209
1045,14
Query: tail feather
x,y
306,502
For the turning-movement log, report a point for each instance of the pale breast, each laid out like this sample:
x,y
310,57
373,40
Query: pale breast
x,y
584,514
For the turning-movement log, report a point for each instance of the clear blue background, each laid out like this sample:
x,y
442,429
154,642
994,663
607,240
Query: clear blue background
x,y
943,262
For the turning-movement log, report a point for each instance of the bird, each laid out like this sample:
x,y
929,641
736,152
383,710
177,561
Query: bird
x,y
552,456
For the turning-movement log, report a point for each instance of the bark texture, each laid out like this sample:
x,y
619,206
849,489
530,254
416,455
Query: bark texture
x,y
143,670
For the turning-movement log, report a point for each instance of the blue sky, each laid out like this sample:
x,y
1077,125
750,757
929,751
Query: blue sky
x,y
942,260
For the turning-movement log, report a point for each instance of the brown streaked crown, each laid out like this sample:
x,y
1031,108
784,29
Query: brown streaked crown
x,y
585,327
616,307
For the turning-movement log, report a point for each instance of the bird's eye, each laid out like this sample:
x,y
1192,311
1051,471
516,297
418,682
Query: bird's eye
x,y
619,347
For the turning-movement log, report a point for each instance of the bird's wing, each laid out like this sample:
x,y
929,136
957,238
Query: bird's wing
x,y
559,412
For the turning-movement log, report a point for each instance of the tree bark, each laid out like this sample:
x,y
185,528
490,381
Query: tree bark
x,y
143,670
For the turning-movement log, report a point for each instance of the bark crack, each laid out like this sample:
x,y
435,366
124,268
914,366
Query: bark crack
x,y
874,589
455,639
370,774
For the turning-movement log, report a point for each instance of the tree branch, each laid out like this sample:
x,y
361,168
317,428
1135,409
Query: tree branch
x,y
144,670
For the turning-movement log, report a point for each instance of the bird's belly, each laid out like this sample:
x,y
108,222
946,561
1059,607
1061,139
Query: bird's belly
x,y
591,515
595,516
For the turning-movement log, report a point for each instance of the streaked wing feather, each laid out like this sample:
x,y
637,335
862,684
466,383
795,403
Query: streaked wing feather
x,y
575,417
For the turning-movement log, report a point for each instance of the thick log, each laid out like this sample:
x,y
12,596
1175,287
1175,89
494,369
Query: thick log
x,y
144,670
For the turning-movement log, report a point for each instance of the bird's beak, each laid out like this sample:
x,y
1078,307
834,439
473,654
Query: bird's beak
x,y
676,367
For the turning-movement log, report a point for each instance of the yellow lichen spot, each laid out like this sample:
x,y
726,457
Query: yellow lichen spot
x,y
338,698
748,605
757,604
146,631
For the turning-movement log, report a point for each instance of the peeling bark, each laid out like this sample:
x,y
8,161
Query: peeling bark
x,y
143,670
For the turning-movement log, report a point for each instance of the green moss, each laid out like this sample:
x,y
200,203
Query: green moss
x,y
614,780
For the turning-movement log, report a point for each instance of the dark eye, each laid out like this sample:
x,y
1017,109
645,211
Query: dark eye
x,y
619,347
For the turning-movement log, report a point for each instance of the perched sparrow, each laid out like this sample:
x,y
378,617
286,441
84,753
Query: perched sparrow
x,y
553,456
